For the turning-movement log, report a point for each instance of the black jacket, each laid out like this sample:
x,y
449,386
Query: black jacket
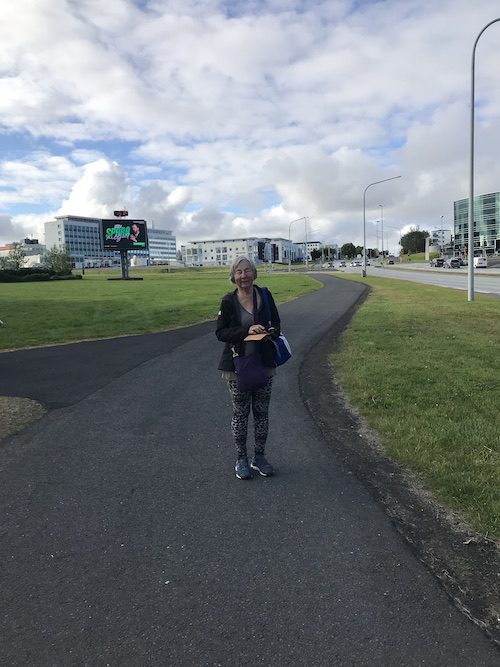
x,y
231,332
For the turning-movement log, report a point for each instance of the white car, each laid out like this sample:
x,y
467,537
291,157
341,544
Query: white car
x,y
356,262
452,263
480,263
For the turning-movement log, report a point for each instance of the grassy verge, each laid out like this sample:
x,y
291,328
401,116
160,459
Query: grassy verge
x,y
46,313
423,367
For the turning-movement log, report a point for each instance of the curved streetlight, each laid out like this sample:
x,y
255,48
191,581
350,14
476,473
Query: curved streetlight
x,y
384,180
470,282
290,239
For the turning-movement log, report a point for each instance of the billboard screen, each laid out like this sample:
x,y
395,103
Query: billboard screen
x,y
124,235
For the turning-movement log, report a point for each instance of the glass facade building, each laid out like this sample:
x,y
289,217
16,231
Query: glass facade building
x,y
162,246
486,224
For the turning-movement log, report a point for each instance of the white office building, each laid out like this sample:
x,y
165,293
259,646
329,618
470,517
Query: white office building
x,y
34,251
225,251
162,246
440,237
312,245
81,236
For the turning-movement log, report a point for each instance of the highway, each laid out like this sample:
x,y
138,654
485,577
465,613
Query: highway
x,y
486,281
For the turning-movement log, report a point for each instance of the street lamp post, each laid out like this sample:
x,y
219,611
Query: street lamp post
x,y
470,290
290,239
305,242
398,229
382,223
364,218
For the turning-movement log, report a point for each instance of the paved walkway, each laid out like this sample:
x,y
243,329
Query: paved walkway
x,y
126,539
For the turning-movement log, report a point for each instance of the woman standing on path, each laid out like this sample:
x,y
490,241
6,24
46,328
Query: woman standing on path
x,y
242,313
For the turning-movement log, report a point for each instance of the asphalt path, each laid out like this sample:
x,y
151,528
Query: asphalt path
x,y
127,540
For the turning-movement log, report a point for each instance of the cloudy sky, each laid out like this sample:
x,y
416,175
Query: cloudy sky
x,y
223,118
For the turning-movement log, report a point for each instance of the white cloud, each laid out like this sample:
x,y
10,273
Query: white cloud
x,y
12,231
40,177
98,192
231,116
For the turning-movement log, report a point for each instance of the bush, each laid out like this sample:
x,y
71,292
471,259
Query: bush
x,y
33,274
65,277
58,260
34,277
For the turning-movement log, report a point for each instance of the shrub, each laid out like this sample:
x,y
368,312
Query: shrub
x,y
70,277
33,277
33,274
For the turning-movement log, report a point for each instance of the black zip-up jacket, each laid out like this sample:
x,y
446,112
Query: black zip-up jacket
x,y
231,332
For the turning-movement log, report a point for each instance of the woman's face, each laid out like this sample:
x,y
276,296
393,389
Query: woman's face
x,y
243,275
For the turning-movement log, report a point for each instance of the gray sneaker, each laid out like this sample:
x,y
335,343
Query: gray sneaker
x,y
242,469
260,463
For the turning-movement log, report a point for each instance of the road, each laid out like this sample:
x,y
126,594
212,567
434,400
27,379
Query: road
x,y
485,282
127,540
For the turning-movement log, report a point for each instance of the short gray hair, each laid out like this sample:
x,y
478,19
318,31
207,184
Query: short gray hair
x,y
238,261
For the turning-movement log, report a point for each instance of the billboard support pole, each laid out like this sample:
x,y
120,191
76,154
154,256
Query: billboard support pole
x,y
124,263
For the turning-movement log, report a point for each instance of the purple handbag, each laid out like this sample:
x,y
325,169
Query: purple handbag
x,y
250,372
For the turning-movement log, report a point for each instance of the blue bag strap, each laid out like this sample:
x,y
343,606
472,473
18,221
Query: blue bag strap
x,y
255,309
265,298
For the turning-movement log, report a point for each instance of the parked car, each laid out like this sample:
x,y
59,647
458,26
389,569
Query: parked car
x,y
480,263
452,263
356,262
342,264
391,261
437,261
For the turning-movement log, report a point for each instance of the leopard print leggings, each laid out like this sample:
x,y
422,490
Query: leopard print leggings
x,y
242,400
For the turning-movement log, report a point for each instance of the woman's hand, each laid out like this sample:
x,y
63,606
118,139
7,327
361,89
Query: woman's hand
x,y
256,329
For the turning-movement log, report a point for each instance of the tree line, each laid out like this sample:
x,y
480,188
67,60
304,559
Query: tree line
x,y
411,242
55,259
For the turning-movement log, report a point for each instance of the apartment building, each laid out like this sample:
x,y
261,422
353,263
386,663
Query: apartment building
x,y
225,251
312,245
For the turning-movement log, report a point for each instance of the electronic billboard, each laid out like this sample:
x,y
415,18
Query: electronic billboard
x,y
124,235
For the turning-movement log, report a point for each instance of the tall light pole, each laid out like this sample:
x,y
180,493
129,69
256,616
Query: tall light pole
x,y
290,239
470,282
364,218
398,229
382,221
305,242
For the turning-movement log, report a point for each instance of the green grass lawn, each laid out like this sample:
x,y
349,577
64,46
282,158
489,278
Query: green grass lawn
x,y
60,311
422,365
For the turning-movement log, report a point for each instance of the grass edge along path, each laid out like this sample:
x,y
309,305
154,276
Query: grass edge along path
x,y
38,314
421,366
